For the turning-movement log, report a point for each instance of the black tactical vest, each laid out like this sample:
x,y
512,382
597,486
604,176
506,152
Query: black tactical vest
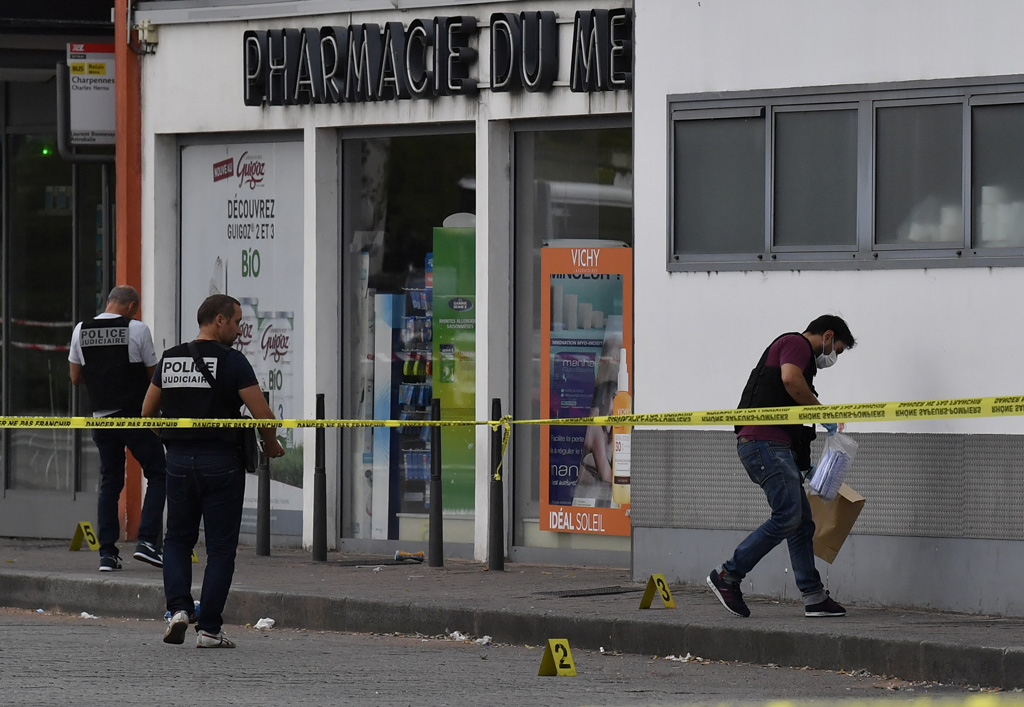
x,y
114,382
186,393
764,389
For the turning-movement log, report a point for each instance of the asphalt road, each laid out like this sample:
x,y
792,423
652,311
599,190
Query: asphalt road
x,y
61,659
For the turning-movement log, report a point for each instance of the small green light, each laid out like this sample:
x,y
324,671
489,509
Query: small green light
x,y
46,151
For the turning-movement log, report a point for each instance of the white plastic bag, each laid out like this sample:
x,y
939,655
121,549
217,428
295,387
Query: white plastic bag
x,y
831,469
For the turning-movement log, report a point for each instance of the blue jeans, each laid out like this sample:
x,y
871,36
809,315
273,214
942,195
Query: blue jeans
x,y
771,466
204,485
149,452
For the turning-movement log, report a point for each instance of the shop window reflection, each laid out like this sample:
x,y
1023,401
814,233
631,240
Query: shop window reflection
x,y
397,191
569,185
40,251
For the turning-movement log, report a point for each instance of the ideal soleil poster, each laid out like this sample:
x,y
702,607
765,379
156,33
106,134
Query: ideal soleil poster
x,y
586,322
241,235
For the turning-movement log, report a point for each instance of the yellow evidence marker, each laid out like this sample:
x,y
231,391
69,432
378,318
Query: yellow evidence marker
x,y
84,530
657,585
557,659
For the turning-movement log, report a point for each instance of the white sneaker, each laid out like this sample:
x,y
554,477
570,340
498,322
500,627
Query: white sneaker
x,y
176,629
213,640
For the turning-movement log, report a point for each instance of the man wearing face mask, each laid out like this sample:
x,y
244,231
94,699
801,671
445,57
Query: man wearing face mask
x,y
775,458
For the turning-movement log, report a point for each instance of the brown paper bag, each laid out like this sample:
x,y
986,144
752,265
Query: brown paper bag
x,y
833,521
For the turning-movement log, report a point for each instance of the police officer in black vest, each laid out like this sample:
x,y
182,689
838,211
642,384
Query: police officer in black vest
x,y
113,354
205,378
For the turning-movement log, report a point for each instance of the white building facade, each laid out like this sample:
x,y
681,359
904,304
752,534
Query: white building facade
x,y
862,159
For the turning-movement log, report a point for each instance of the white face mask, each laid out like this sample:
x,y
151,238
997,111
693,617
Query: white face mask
x,y
823,360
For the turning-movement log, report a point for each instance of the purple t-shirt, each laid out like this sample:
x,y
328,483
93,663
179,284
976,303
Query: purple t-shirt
x,y
789,349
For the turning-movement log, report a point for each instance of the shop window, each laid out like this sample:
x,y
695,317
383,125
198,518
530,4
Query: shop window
x,y
40,251
409,329
856,178
59,239
572,187
57,255
30,104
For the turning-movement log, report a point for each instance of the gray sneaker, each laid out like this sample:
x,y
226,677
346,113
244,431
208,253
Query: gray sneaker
x,y
176,629
213,640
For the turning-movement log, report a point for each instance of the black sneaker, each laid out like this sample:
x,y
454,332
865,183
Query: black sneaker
x,y
110,563
145,552
829,607
728,593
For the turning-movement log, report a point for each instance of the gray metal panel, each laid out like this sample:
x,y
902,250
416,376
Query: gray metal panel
x,y
914,484
924,485
692,479
994,502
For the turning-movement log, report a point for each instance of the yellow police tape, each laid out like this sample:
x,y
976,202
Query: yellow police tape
x,y
997,406
988,698
1001,406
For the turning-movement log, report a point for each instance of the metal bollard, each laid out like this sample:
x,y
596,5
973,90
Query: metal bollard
x,y
263,503
496,524
435,522
320,490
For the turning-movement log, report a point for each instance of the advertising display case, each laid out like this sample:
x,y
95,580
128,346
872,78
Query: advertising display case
x,y
587,327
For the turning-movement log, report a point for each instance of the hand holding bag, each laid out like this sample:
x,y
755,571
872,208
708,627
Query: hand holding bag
x,y
831,469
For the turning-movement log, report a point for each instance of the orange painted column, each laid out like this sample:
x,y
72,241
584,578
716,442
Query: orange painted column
x,y
128,216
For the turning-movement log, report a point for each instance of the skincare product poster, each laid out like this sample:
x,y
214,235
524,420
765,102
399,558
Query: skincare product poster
x,y
586,320
242,235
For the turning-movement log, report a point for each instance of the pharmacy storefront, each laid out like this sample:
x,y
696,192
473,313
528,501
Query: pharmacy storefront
x,y
409,205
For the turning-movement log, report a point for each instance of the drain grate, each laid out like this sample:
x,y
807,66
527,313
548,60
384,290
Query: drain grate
x,y
597,591
371,562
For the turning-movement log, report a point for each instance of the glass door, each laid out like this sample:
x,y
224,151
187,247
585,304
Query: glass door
x,y
407,288
57,265
573,188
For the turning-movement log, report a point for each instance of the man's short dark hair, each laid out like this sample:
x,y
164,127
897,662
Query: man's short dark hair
x,y
830,321
123,295
214,305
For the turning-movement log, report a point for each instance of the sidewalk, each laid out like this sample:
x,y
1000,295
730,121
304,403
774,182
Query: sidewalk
x,y
527,604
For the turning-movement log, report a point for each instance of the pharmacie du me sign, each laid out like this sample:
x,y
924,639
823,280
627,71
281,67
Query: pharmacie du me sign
x,y
433,57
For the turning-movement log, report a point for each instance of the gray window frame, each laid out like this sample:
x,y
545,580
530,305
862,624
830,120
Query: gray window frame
x,y
866,99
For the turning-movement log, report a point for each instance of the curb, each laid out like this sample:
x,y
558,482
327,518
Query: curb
x,y
932,661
